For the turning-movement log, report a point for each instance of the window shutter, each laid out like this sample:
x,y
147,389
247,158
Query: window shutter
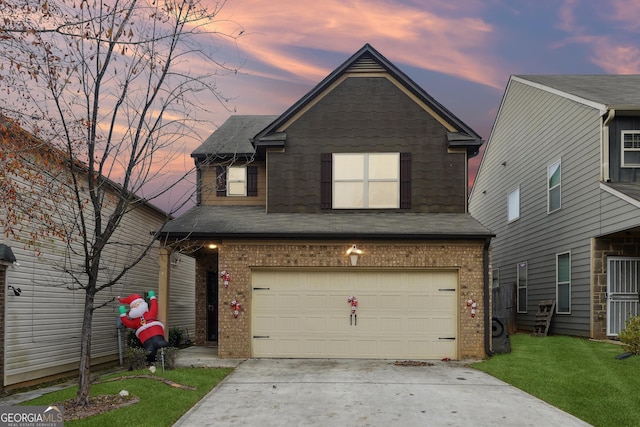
x,y
221,181
252,181
326,177
405,180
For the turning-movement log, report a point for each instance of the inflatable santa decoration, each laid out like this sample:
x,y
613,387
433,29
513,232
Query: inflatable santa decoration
x,y
144,319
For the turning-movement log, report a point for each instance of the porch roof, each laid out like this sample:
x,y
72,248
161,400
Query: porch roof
x,y
253,222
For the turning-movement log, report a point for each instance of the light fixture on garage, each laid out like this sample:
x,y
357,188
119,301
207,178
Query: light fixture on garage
x,y
354,253
212,246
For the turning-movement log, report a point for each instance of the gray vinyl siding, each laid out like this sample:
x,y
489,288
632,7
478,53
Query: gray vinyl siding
x,y
535,128
617,214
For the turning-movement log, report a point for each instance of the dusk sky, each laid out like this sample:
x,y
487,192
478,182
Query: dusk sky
x,y
460,52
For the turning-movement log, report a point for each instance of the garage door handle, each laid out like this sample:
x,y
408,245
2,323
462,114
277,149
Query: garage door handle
x,y
260,289
447,338
261,336
447,289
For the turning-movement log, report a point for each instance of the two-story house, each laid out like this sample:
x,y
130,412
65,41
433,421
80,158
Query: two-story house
x,y
559,184
340,227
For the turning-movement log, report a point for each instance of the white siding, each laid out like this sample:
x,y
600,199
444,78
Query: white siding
x,y
183,295
43,324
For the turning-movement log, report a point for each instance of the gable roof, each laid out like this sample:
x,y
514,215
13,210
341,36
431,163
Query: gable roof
x,y
620,91
367,59
233,137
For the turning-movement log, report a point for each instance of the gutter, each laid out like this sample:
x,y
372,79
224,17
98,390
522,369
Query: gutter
x,y
487,299
604,146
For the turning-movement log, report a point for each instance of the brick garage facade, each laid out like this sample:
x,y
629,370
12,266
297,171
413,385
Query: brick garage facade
x,y
620,244
239,257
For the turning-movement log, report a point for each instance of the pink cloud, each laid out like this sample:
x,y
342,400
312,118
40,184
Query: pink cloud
x,y
625,12
617,59
433,37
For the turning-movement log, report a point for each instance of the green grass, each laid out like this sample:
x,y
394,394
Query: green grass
x,y
160,404
579,376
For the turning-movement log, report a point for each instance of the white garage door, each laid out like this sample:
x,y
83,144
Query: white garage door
x,y
305,314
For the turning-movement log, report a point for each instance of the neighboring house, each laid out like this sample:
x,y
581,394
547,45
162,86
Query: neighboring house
x,y
41,318
366,162
559,184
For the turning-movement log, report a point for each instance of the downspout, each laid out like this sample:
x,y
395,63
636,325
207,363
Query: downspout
x,y
604,146
487,299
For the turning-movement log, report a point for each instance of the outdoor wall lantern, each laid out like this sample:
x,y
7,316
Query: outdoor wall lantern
x,y
354,253
16,291
212,246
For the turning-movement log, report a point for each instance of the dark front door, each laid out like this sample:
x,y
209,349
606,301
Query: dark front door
x,y
212,306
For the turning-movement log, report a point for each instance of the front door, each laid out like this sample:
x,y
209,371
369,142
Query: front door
x,y
212,306
623,274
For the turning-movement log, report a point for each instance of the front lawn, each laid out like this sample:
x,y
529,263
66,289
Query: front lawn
x,y
161,403
577,375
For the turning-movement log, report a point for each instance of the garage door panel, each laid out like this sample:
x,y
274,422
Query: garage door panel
x,y
306,314
289,324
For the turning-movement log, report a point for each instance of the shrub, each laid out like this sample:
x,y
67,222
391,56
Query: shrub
x,y
630,336
131,340
179,337
137,357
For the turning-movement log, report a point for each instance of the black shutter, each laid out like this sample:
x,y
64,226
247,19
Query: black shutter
x,y
252,181
326,178
405,180
221,181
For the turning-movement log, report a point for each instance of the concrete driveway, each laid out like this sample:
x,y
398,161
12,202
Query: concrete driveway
x,y
336,392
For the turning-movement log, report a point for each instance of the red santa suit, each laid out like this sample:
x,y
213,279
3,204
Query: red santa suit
x,y
143,319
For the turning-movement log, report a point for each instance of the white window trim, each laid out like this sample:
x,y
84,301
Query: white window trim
x,y
365,181
509,200
558,186
518,287
244,181
563,283
623,150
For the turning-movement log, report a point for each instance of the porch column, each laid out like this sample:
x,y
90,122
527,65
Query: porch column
x,y
164,259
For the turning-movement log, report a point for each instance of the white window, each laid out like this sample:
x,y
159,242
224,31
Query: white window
x,y
522,287
554,181
631,148
366,181
513,202
563,283
237,181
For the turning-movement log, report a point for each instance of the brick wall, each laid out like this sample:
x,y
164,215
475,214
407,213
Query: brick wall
x,y
614,245
238,257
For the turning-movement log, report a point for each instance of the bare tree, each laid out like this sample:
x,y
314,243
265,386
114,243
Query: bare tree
x,y
114,90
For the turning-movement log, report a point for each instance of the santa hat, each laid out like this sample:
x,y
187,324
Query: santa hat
x,y
131,299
